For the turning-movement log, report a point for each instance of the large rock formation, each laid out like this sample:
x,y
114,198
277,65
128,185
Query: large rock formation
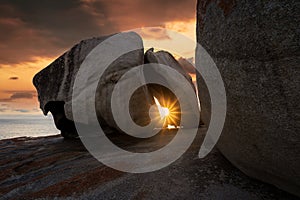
x,y
55,84
165,58
255,45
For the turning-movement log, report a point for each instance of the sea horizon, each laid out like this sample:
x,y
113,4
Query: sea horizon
x,y
26,125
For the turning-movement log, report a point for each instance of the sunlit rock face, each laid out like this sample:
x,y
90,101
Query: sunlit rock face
x,y
167,59
55,84
255,45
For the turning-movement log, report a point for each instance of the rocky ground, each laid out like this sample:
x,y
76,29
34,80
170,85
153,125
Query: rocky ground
x,y
51,167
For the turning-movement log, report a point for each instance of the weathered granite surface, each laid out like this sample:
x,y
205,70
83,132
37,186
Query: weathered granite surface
x,y
167,59
54,168
256,46
55,84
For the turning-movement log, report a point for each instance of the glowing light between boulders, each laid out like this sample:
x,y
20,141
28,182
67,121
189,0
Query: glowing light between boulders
x,y
163,111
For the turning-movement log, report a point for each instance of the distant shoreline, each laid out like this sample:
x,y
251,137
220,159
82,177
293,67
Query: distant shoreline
x,y
14,126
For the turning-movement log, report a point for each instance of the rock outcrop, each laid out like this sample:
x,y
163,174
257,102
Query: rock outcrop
x,y
55,84
54,168
256,46
165,58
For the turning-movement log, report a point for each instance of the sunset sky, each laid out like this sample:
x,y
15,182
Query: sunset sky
x,y
34,33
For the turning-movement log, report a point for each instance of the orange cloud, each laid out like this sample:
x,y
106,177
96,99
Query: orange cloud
x,y
34,33
20,95
48,28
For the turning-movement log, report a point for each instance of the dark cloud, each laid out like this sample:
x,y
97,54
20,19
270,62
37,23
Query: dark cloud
x,y
43,28
15,94
5,100
19,91
3,109
22,110
47,28
138,13
21,95
13,78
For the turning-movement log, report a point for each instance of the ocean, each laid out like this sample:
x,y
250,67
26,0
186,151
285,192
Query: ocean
x,y
12,126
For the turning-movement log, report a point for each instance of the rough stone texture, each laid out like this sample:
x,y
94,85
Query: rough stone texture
x,y
54,168
55,84
255,45
165,58
111,77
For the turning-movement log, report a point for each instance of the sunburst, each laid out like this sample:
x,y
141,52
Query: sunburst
x,y
169,111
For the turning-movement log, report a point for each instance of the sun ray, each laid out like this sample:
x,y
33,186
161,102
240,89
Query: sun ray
x,y
168,110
